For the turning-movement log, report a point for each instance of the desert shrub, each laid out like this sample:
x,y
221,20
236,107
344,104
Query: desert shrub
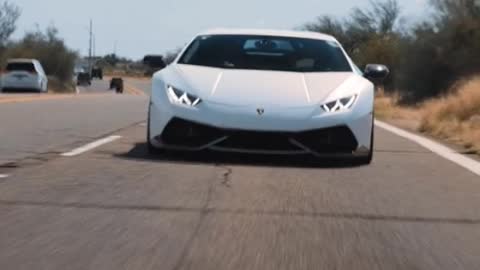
x,y
57,86
455,116
47,47
425,58
368,35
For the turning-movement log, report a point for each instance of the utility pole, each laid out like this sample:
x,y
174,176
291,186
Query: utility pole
x,y
90,47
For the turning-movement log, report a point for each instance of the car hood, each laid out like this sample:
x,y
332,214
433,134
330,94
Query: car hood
x,y
254,87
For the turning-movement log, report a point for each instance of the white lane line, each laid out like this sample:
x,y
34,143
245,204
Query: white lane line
x,y
90,146
143,124
3,176
441,150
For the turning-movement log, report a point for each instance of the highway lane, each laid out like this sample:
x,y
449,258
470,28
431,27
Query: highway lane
x,y
141,84
98,86
39,127
117,207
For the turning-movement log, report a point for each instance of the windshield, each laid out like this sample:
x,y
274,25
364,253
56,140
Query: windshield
x,y
20,67
266,53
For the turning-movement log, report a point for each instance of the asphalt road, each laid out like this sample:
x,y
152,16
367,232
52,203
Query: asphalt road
x,y
143,84
98,86
29,129
116,207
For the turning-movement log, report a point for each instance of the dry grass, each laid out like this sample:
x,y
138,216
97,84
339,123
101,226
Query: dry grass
x,y
56,86
455,117
387,108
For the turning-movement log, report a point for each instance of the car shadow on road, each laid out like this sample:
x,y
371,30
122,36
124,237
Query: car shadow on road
x,y
20,91
140,152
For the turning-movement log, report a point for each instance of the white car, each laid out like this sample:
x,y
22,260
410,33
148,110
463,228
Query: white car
x,y
264,92
24,74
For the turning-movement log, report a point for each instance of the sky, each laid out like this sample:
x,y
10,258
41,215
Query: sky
x,y
143,27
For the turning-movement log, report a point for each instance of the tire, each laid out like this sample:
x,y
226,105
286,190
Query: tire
x,y
152,150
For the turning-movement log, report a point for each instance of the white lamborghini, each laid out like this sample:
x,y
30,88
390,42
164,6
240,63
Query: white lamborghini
x,y
264,92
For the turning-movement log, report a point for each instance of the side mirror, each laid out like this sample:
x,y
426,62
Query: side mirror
x,y
376,72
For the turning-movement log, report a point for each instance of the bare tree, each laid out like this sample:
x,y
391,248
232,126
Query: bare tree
x,y
330,26
389,13
381,18
454,9
326,24
9,14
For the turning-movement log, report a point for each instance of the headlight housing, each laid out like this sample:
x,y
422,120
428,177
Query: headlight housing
x,y
180,97
339,105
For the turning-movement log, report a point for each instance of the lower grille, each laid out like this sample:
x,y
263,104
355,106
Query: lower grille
x,y
249,140
183,133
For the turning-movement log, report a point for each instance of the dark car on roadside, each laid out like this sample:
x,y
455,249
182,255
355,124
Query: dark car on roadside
x,y
84,78
97,73
153,64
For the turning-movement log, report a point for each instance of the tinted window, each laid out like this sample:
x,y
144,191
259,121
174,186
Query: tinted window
x,y
29,67
266,53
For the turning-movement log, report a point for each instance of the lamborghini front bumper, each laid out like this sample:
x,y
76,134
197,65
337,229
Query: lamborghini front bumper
x,y
276,131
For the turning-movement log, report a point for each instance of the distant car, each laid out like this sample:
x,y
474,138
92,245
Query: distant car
x,y
117,84
264,92
153,63
24,75
97,73
84,78
78,70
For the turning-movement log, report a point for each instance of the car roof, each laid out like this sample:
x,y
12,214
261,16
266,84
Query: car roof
x,y
268,32
21,60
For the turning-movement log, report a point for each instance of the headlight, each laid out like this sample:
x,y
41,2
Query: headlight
x,y
339,105
180,97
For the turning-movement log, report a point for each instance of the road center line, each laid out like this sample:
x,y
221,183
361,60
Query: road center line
x,y
134,90
90,146
441,150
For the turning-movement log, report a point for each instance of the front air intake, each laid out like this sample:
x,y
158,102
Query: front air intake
x,y
329,140
184,133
